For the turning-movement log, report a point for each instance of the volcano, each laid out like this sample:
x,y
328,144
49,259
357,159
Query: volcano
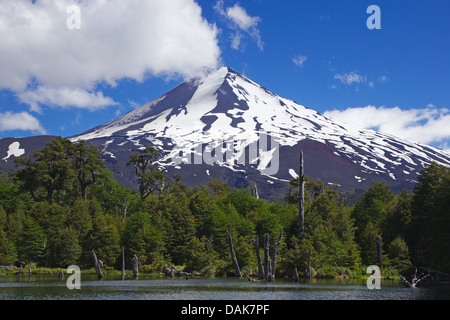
x,y
225,126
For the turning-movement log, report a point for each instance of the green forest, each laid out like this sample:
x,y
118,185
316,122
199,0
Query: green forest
x,y
63,203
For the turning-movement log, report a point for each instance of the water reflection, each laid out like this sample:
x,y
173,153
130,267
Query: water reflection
x,y
154,288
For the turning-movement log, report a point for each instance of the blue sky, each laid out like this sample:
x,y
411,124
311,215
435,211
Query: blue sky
x,y
61,81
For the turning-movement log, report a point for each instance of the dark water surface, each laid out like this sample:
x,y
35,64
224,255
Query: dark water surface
x,y
45,287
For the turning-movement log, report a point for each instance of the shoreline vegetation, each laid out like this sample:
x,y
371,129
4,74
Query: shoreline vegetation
x,y
62,205
328,274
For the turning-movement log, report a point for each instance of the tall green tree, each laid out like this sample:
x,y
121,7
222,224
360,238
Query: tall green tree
x,y
62,168
3,218
51,171
367,243
143,238
371,208
428,235
79,218
8,252
330,233
199,254
66,248
108,244
179,226
11,197
87,164
52,219
54,167
27,177
32,241
245,253
399,252
202,207
113,197
398,217
150,179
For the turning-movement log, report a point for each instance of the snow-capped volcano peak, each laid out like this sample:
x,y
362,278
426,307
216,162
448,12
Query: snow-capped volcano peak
x,y
223,93
229,113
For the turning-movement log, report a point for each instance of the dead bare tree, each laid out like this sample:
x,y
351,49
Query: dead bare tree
x,y
237,271
98,266
258,257
20,271
415,280
267,267
275,252
379,252
295,277
301,196
135,263
123,263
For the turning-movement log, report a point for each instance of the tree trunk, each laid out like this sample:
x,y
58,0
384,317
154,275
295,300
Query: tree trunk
x,y
20,271
301,196
266,257
98,265
295,277
274,256
135,266
379,252
308,268
254,191
123,262
258,257
237,271
269,273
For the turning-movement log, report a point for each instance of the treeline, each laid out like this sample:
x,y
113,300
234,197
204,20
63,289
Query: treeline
x,y
64,203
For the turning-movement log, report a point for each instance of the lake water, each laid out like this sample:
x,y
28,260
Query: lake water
x,y
46,287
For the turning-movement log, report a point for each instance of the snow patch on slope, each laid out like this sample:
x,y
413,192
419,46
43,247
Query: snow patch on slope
x,y
14,150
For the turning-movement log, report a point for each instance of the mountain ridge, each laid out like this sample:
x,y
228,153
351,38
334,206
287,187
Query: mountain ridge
x,y
215,126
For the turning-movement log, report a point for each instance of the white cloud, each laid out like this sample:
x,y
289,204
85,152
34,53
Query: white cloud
x,y
383,79
66,98
428,125
20,121
299,60
239,16
350,78
240,21
236,40
117,40
353,78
